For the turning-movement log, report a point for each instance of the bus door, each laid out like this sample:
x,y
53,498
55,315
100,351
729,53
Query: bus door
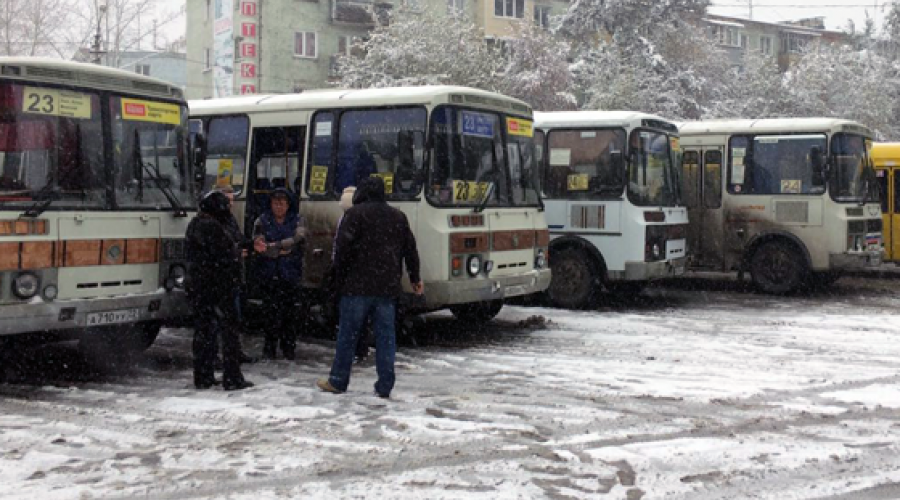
x,y
889,184
702,187
274,163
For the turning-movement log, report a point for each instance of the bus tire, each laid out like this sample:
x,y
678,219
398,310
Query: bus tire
x,y
573,279
777,268
478,312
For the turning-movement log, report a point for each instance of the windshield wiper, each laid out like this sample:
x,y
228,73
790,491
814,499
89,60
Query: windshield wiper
x,y
50,192
156,176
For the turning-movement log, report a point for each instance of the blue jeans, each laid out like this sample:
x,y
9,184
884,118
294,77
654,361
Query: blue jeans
x,y
355,309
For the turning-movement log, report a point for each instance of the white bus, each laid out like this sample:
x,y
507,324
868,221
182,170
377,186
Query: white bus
x,y
458,162
95,197
794,201
610,186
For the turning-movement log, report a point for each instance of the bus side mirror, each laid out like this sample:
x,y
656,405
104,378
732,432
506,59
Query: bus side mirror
x,y
199,151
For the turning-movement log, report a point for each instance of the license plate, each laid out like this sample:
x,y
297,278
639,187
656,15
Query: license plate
x,y
679,270
113,317
514,291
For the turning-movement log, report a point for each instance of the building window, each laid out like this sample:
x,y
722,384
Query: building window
x,y
455,6
344,43
793,42
745,42
726,35
142,69
305,44
765,45
542,16
509,8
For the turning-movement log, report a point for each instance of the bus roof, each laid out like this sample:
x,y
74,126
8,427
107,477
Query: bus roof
x,y
772,125
593,118
338,98
40,69
886,154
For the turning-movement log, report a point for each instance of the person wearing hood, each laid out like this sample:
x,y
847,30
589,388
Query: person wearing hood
x,y
214,268
373,243
279,235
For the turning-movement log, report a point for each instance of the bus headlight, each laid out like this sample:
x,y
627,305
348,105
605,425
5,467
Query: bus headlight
x,y
26,285
541,260
51,292
473,266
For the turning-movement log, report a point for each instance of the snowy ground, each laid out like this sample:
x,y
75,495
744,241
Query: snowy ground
x,y
682,393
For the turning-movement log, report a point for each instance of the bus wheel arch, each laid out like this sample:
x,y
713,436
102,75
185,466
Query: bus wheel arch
x,y
578,269
779,263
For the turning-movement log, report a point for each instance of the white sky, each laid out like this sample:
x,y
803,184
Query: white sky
x,y
836,12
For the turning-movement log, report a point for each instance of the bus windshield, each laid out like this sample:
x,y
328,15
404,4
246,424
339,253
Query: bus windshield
x,y
852,178
651,171
468,160
51,147
149,150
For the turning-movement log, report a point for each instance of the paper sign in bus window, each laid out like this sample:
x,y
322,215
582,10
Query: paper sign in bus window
x,y
150,111
318,178
477,124
323,129
560,157
55,102
469,191
517,126
675,144
791,186
388,178
225,172
578,182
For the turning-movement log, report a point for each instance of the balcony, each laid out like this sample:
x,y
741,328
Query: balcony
x,y
360,12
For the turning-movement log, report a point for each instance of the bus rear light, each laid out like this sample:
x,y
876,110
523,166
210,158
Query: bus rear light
x,y
540,261
51,292
654,216
456,265
473,265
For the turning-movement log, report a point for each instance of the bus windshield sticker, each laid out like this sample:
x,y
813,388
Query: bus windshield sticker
x,y
767,140
477,124
675,143
737,170
738,152
791,186
517,126
150,111
388,178
225,171
469,190
578,182
588,135
323,129
317,179
55,102
560,157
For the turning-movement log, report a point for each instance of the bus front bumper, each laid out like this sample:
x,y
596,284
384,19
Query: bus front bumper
x,y
42,316
447,293
646,271
855,260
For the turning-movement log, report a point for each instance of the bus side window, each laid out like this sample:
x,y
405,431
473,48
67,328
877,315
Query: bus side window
x,y
320,162
226,151
740,172
882,179
712,179
691,178
896,190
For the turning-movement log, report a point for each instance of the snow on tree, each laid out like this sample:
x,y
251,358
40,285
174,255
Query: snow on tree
x,y
36,28
754,90
839,81
427,49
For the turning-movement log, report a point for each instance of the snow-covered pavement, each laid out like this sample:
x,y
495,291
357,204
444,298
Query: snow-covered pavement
x,y
682,394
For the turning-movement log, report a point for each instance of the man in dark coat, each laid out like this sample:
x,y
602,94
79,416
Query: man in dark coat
x,y
213,274
373,243
279,235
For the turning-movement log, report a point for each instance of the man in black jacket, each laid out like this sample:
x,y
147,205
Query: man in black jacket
x,y
373,243
214,268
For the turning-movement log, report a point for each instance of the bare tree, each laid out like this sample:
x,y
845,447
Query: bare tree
x,y
36,28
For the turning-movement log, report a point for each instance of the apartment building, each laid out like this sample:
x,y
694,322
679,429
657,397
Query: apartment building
x,y
782,41
239,47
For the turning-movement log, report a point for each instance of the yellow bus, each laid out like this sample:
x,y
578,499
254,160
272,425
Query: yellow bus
x,y
886,156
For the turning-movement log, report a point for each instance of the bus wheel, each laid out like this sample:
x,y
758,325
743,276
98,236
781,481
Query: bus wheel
x,y
573,278
777,268
478,312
